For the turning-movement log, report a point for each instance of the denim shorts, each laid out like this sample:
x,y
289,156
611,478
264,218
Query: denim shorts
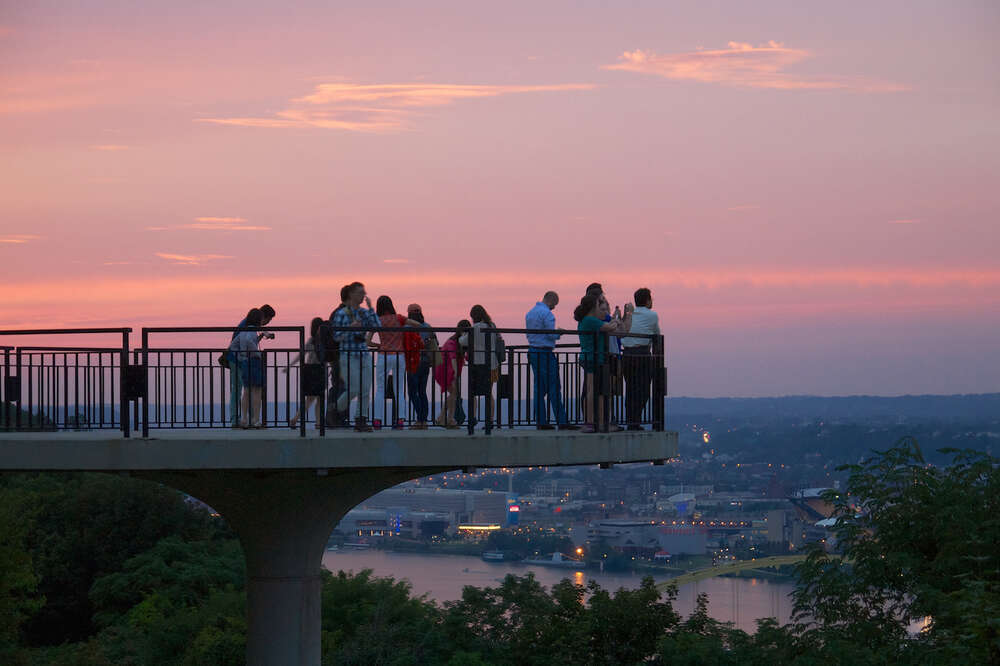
x,y
252,372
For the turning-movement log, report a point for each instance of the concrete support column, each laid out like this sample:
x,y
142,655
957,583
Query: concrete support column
x,y
283,520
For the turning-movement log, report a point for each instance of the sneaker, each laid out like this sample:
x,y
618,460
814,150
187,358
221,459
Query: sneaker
x,y
588,427
568,426
635,428
399,425
361,424
377,424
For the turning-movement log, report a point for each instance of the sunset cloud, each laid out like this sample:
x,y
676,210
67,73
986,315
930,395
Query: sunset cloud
x,y
215,224
743,65
18,239
110,147
395,261
224,224
190,259
379,107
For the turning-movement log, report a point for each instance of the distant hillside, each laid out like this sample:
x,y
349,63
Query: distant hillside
x,y
979,408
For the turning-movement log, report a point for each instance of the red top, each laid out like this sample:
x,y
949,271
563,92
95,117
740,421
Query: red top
x,y
391,342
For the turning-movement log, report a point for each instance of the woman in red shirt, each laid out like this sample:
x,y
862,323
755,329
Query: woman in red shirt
x,y
390,364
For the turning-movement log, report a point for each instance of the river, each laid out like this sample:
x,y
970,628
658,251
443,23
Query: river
x,y
441,577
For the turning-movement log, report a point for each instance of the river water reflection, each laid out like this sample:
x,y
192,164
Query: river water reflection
x,y
738,600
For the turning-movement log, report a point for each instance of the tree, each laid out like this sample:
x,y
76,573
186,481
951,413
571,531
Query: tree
x,y
917,543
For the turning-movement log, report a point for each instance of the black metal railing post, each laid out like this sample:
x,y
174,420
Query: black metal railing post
x,y
605,390
145,398
471,352
122,379
659,384
5,399
303,413
491,345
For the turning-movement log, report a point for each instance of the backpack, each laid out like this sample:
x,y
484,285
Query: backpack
x,y
433,351
499,348
326,347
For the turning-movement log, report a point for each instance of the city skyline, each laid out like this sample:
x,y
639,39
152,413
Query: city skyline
x,y
806,194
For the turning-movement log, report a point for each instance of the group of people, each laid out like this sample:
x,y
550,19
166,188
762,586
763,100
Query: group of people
x,y
611,344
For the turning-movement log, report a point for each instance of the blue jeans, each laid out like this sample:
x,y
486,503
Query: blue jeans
x,y
416,387
235,387
546,370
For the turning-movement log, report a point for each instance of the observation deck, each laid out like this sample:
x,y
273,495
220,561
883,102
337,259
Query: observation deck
x,y
166,414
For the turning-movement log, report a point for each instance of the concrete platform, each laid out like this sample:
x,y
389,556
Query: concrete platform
x,y
283,494
278,449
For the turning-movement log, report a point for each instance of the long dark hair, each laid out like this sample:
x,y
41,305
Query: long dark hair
x,y
314,327
586,306
384,306
480,315
464,327
417,315
255,317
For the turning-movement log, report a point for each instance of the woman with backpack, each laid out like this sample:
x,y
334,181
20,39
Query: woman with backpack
x,y
488,350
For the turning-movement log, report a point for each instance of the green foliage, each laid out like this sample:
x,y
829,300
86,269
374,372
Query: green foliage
x,y
19,598
519,622
369,620
917,541
123,572
83,526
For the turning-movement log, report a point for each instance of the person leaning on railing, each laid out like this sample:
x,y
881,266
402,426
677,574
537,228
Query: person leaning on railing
x,y
235,385
391,362
246,360
637,361
594,355
355,366
543,362
484,367
449,373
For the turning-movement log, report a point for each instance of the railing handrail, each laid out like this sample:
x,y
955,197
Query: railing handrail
x,y
62,331
70,350
220,329
455,329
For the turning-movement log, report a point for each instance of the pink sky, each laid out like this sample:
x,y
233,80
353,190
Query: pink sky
x,y
811,194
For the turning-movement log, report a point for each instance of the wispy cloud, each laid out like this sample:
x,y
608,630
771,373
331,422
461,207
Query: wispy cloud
x,y
903,221
110,147
224,224
215,224
190,259
18,239
744,65
379,107
395,261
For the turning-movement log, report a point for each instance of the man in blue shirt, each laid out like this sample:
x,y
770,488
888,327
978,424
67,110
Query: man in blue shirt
x,y
355,356
541,356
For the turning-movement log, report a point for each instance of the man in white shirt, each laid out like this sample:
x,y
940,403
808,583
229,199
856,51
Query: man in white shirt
x,y
637,362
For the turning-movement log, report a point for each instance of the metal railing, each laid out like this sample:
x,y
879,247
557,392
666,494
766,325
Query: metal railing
x,y
72,387
471,379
